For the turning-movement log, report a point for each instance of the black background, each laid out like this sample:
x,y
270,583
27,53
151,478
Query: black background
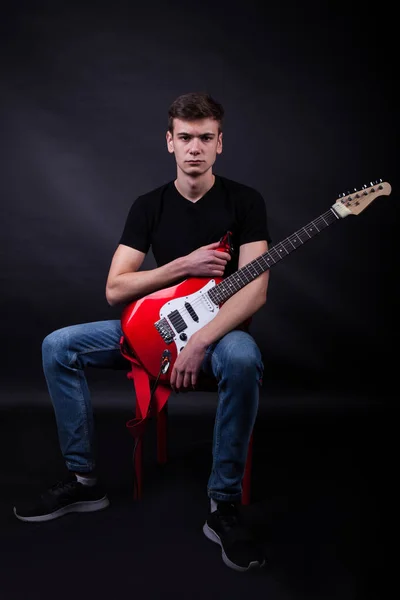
x,y
311,112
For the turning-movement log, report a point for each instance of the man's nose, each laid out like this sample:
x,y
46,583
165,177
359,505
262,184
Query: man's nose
x,y
195,146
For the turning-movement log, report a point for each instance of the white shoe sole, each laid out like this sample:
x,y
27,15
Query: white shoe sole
x,y
76,507
214,537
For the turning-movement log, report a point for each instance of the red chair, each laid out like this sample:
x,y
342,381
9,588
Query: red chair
x,y
158,409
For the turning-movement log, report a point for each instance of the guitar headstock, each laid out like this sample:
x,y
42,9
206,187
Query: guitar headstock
x,y
357,201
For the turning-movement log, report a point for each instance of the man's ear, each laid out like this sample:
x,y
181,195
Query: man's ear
x,y
219,143
170,142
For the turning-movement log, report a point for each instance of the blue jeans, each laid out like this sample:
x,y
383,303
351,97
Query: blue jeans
x,y
235,361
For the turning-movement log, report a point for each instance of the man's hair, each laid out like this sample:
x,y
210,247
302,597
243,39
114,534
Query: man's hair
x,y
193,107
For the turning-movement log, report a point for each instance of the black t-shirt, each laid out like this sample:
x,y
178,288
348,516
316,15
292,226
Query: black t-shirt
x,y
174,226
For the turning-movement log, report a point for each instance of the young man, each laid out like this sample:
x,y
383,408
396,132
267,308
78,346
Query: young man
x,y
182,221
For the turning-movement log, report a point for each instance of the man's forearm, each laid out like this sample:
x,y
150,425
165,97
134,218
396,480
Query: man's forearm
x,y
241,306
130,286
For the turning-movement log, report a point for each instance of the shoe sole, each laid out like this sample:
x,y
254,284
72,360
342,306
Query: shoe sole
x,y
80,507
214,537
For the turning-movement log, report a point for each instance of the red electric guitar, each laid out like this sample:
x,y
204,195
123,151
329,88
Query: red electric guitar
x,y
159,325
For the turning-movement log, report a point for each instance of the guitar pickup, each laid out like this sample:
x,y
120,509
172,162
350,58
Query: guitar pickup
x,y
176,320
191,312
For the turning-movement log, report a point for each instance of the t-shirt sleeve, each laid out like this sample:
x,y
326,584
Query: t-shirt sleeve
x,y
137,228
254,222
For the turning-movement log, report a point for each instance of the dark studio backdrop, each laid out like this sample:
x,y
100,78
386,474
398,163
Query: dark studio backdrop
x,y
309,94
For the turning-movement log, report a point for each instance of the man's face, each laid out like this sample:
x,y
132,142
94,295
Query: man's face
x,y
195,145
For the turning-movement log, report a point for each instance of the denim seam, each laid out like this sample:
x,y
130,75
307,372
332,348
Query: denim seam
x,y
224,497
74,356
83,403
81,394
217,435
71,467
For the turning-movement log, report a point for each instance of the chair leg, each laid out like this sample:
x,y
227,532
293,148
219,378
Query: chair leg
x,y
162,435
246,484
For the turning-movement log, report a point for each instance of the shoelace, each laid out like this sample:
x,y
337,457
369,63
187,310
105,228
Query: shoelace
x,y
233,527
62,487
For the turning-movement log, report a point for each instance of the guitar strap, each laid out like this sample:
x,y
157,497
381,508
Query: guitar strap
x,y
148,402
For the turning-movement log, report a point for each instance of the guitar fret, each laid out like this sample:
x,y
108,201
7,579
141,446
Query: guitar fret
x,y
284,245
303,236
245,273
268,258
299,238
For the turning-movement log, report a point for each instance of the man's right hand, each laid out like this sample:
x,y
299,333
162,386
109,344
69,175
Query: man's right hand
x,y
207,261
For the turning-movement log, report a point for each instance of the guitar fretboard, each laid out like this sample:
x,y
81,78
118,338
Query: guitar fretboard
x,y
232,284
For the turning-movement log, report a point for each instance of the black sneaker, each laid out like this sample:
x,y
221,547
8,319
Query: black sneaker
x,y
239,549
62,498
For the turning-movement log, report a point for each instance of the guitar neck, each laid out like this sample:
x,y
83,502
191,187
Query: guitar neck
x,y
235,282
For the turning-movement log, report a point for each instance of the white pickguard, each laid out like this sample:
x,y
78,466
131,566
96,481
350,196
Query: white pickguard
x,y
202,305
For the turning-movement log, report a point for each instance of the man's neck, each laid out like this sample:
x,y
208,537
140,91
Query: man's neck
x,y
194,188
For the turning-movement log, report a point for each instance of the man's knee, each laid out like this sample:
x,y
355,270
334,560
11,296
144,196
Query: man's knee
x,y
56,343
242,354
243,361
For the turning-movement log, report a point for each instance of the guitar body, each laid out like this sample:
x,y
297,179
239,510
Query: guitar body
x,y
146,323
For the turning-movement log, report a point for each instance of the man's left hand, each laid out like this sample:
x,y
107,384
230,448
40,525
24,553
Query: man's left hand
x,y
187,366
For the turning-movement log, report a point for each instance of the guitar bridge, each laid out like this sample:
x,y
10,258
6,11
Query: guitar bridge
x,y
165,330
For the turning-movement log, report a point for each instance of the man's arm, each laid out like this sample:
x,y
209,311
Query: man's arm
x,y
242,305
125,283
